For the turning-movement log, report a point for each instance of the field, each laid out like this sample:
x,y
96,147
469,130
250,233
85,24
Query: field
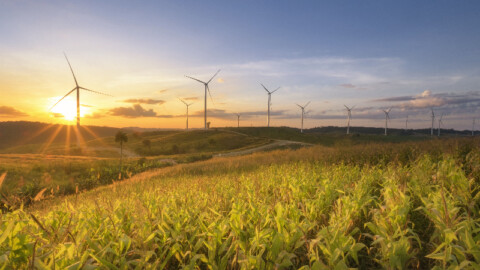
x,y
391,206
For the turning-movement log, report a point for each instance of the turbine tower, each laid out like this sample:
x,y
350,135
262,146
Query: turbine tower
x,y
387,116
440,124
76,88
269,102
207,89
433,119
349,117
406,123
473,126
238,120
188,105
303,113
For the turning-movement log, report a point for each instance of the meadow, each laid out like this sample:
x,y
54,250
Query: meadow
x,y
383,206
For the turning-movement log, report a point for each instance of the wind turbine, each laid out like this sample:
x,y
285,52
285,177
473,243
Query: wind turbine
x,y
207,89
440,123
188,105
303,113
76,88
349,117
269,102
238,120
406,123
387,116
433,119
473,126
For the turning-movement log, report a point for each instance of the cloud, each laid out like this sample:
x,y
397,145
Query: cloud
x,y
191,98
57,115
426,100
144,101
426,93
10,111
94,115
394,99
162,91
223,114
132,112
447,103
86,106
347,85
220,80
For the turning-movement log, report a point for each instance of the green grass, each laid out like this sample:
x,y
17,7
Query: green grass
x,y
161,143
325,138
394,206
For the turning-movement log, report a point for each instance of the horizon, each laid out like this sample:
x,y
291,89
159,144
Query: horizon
x,y
132,128
407,56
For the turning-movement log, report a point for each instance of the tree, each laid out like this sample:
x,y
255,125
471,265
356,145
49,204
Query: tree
x,y
147,143
121,137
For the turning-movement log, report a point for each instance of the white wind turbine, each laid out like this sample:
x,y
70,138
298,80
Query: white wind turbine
x,y
187,105
349,117
473,126
303,113
207,89
238,120
406,123
269,102
76,88
440,124
387,117
433,119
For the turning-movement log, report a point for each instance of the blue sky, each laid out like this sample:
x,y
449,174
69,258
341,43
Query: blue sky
x,y
409,55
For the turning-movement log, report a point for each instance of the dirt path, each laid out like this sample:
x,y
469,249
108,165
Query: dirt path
x,y
277,143
126,153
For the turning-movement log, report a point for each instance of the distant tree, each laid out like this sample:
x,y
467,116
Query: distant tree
x,y
121,137
175,149
147,143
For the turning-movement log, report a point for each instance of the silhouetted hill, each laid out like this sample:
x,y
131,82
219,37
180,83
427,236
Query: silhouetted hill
x,y
391,131
24,132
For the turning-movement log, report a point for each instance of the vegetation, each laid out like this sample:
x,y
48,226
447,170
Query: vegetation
x,y
394,206
121,137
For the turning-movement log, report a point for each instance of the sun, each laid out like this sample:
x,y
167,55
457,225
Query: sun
x,y
67,108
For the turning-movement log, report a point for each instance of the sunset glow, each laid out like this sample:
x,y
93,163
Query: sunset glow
x,y
66,109
349,54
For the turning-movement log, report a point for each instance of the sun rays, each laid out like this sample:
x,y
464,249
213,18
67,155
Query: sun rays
x,y
63,138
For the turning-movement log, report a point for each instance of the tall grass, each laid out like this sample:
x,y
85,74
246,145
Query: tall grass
x,y
316,208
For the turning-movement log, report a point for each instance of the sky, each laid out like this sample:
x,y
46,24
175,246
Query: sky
x,y
410,56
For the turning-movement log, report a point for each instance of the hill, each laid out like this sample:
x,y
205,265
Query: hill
x,y
23,132
411,205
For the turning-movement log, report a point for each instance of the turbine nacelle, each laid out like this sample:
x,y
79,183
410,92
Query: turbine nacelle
x,y
78,88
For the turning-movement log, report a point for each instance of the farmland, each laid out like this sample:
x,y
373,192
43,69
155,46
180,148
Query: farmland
x,y
384,205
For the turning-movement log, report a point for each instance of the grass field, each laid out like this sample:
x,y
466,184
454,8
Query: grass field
x,y
392,206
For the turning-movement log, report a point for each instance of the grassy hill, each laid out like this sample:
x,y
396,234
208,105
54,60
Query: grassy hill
x,y
378,206
23,133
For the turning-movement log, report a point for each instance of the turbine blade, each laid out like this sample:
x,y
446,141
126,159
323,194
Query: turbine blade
x,y
213,76
183,101
195,79
299,106
71,69
210,94
348,109
62,98
275,90
83,88
306,104
265,88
